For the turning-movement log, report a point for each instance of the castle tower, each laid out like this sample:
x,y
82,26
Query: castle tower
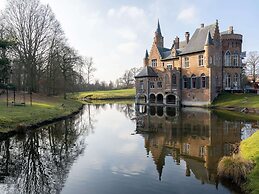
x,y
146,60
208,47
159,39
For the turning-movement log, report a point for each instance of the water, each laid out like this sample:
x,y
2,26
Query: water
x,y
115,148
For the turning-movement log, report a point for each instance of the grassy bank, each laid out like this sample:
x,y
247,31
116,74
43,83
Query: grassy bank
x,y
249,149
44,108
237,100
105,95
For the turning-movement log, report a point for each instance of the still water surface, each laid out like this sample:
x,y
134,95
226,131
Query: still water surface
x,y
120,148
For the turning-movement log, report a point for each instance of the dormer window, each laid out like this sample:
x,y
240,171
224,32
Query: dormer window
x,y
153,62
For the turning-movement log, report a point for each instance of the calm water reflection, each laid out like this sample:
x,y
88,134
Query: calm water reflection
x,y
116,148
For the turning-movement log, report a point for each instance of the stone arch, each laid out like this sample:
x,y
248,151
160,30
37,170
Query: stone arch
x,y
170,111
141,98
170,99
152,98
159,98
152,110
160,111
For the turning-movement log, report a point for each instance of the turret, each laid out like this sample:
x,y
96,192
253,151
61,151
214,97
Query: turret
x,y
146,60
208,47
158,39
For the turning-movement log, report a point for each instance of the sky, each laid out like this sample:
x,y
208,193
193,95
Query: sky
x,y
116,33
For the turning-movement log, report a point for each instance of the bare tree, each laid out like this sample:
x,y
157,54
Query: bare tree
x,y
89,69
252,65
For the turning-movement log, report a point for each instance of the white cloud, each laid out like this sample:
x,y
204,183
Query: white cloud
x,y
2,4
188,14
126,11
128,48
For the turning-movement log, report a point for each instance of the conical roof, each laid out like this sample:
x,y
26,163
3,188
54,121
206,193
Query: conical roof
x,y
209,40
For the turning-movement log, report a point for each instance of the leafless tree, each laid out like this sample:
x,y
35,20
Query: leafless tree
x,y
89,69
252,65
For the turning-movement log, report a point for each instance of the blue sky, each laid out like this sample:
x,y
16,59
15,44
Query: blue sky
x,y
116,33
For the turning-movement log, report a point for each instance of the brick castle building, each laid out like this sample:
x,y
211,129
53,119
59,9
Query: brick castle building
x,y
193,71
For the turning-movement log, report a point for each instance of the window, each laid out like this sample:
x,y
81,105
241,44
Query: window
x,y
166,79
169,66
227,58
203,80
186,148
228,81
186,62
174,79
152,85
185,82
193,81
201,60
159,84
141,85
153,62
235,59
211,60
202,151
236,80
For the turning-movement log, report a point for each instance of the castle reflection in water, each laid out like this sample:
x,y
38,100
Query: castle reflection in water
x,y
194,135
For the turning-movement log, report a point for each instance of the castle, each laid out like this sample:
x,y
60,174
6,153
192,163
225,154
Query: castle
x,y
192,72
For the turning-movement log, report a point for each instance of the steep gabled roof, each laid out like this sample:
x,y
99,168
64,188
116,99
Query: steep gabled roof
x,y
164,52
197,42
147,71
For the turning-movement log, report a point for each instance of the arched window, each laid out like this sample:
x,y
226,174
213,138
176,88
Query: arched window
x,y
227,58
228,81
235,59
193,82
173,79
166,79
236,81
203,81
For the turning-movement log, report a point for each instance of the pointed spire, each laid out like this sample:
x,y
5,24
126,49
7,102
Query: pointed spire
x,y
216,36
158,30
146,55
209,40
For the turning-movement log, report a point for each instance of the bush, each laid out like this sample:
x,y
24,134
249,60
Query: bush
x,y
235,168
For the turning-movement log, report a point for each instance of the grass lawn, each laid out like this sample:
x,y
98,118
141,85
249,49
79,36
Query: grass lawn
x,y
237,100
249,149
106,95
236,116
43,108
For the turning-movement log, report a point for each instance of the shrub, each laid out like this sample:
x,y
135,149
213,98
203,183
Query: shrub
x,y
235,168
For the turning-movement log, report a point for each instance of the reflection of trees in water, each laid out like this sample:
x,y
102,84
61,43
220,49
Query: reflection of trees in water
x,y
39,162
127,109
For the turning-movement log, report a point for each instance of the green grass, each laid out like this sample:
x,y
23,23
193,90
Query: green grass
x,y
12,116
249,149
237,100
106,95
235,115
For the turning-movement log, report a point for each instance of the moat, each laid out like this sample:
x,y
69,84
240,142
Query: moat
x,y
123,148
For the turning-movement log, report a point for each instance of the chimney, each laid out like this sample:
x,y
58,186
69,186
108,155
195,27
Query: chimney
x,y
187,37
202,25
176,42
230,30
